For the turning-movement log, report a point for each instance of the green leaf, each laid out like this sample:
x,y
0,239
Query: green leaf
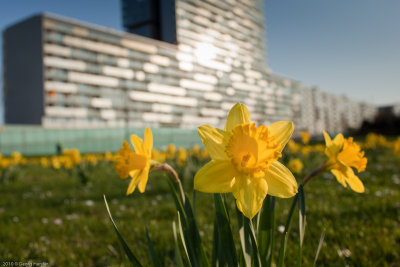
x,y
302,223
282,249
127,250
188,225
177,199
265,231
321,241
153,255
183,239
225,232
255,253
245,241
178,256
217,254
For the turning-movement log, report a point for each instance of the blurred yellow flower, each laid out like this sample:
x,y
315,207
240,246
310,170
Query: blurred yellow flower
x,y
171,151
158,156
92,159
182,156
195,152
295,165
344,154
74,156
396,147
244,161
371,140
305,137
55,163
44,162
305,150
293,147
108,156
204,154
135,164
16,157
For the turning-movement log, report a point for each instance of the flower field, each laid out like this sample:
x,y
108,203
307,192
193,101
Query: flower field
x,y
52,209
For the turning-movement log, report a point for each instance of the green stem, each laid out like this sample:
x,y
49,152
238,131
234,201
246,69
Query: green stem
x,y
282,249
314,173
167,168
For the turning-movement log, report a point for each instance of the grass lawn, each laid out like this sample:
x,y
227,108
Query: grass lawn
x,y
49,216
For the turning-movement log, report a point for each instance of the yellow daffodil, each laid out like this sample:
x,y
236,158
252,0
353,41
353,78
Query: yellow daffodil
x,y
171,151
244,161
135,164
108,156
55,162
182,156
293,147
295,165
74,155
305,137
195,152
44,162
159,156
16,157
344,154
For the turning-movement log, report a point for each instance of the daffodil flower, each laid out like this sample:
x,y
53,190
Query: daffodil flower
x,y
244,161
344,154
135,164
295,165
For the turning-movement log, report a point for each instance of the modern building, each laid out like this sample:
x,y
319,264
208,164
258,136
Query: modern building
x,y
60,72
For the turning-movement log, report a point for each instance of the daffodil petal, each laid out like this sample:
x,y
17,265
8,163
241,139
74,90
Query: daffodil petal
x,y
328,140
137,143
250,194
215,141
282,131
355,184
143,177
340,177
217,176
333,147
148,141
281,182
132,185
338,140
239,114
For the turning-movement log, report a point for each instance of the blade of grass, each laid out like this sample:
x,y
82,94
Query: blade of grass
x,y
256,262
183,239
127,250
302,223
154,259
178,256
321,241
244,238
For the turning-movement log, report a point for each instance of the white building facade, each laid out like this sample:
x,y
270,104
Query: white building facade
x,y
91,76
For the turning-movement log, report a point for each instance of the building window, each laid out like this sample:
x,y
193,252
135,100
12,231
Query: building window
x,y
151,18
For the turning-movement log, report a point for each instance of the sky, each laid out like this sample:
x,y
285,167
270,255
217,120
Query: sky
x,y
347,47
